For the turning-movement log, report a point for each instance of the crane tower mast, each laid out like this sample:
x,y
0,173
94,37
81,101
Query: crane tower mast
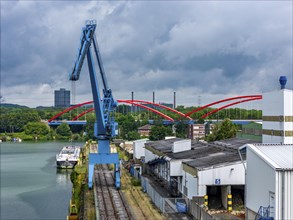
x,y
105,127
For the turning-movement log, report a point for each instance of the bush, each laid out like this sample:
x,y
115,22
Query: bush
x,y
76,137
36,128
135,182
77,178
5,137
23,136
63,130
80,169
60,137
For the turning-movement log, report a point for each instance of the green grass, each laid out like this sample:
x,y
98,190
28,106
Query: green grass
x,y
80,169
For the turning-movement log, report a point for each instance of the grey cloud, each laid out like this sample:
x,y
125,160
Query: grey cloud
x,y
209,47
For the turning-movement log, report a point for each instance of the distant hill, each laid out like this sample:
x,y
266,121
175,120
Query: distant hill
x,y
8,105
45,107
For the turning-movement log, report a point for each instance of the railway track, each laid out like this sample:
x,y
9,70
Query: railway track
x,y
110,200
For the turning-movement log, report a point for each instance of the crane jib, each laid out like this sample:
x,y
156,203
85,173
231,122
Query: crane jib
x,y
105,127
87,36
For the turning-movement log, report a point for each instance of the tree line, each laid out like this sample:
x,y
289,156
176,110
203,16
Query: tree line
x,y
27,122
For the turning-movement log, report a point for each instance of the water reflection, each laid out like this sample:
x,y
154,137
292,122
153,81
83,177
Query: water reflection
x,y
63,176
31,186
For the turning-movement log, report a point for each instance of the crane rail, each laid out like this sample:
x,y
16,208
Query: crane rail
x,y
110,200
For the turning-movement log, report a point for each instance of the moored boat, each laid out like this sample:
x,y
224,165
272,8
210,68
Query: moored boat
x,y
68,157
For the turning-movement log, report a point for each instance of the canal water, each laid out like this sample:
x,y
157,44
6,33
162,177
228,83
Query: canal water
x,y
31,186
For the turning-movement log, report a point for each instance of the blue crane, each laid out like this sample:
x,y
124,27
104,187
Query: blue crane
x,y
105,127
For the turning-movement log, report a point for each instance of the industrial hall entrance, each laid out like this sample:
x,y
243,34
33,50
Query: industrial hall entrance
x,y
225,197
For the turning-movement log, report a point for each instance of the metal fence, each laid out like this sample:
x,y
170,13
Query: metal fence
x,y
166,205
155,196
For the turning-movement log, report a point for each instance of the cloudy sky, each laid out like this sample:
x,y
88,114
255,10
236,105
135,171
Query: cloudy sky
x,y
203,50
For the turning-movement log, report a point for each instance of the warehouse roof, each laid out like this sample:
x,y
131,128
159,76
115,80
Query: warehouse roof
x,y
214,159
201,149
163,146
234,143
278,156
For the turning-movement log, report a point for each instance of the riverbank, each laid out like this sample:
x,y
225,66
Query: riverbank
x,y
83,199
21,136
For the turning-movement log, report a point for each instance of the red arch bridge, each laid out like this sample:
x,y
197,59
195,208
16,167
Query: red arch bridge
x,y
167,119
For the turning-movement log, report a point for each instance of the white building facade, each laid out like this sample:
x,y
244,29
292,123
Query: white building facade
x,y
278,117
138,148
269,180
195,181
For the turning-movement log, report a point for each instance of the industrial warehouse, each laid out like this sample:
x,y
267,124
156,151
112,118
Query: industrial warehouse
x,y
236,176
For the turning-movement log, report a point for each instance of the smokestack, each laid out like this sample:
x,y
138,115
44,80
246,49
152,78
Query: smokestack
x,y
174,104
153,97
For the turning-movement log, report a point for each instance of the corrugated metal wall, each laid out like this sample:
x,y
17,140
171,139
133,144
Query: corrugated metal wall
x,y
284,195
259,182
